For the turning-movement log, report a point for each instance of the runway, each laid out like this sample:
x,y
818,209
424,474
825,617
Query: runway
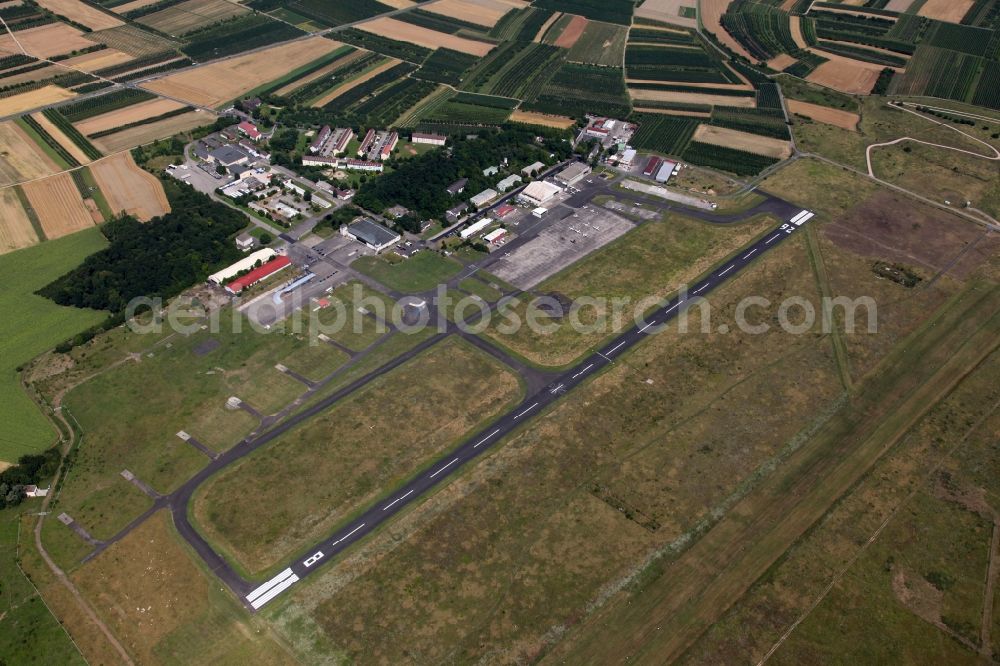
x,y
439,471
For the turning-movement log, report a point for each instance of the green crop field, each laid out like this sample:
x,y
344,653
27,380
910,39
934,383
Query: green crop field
x,y
32,324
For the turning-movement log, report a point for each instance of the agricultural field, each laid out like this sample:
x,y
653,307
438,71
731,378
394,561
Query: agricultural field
x,y
523,74
47,40
249,31
133,40
575,90
675,12
394,29
190,15
446,66
939,72
81,13
219,82
360,74
545,120
16,228
129,189
600,44
33,99
609,11
142,109
91,62
742,141
469,387
327,13
322,68
63,143
21,158
59,206
843,119
663,134
147,132
32,325
486,13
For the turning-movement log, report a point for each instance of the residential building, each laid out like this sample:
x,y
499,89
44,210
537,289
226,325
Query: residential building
x,y
453,215
457,187
432,139
491,171
245,242
371,233
366,143
321,138
249,130
320,161
35,491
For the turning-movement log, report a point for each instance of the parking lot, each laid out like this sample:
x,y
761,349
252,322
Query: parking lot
x,y
569,235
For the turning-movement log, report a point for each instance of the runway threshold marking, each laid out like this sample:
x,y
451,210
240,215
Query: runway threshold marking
x,y
483,440
259,591
445,467
398,499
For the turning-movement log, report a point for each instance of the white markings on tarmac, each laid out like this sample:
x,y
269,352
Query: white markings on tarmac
x,y
801,214
604,357
348,534
272,588
771,239
805,219
727,270
749,254
398,499
313,559
448,465
526,411
583,371
615,348
483,440
699,288
652,323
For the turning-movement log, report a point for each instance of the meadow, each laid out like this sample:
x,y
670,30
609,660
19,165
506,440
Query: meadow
x,y
31,325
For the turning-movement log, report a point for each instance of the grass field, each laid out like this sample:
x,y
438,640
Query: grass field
x,y
422,271
357,451
27,628
649,262
32,325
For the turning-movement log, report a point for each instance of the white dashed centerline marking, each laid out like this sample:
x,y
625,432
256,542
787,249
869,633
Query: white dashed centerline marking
x,y
525,412
699,289
483,440
398,499
652,323
346,536
771,239
583,371
444,468
749,254
727,270
615,348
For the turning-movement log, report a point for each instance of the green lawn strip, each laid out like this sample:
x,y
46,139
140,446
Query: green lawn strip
x,y
36,224
33,324
29,629
43,143
480,288
421,272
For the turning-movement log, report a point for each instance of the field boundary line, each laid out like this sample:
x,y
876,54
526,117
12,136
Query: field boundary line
x,y
875,535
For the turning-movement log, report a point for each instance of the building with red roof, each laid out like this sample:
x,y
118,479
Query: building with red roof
x,y
248,128
280,262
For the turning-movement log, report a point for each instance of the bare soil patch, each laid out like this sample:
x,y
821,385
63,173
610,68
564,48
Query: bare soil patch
x,y
58,205
545,26
946,10
845,75
90,62
135,4
431,39
780,62
572,32
128,188
824,114
753,143
691,98
78,12
545,120
222,81
668,11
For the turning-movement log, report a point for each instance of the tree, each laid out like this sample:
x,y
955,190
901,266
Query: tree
x,y
265,238
219,169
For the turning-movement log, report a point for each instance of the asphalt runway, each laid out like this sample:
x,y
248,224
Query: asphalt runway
x,y
311,560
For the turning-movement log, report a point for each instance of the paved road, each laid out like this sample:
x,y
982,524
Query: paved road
x,y
312,559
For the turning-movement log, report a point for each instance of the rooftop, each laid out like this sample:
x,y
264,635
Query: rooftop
x,y
371,232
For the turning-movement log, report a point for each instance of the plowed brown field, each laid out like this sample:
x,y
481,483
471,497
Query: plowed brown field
x,y
128,188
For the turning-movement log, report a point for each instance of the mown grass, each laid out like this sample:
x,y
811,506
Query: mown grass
x,y
30,325
358,450
421,272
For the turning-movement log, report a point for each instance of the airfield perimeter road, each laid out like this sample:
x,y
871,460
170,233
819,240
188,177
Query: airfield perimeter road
x,y
312,559
544,389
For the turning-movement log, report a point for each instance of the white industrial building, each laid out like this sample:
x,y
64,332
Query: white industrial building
x,y
539,192
508,182
475,227
627,158
244,264
484,198
665,171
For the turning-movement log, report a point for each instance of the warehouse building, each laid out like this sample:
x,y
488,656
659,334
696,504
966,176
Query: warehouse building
x,y
665,171
432,139
279,263
573,174
475,227
508,182
484,198
539,192
246,263
371,233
